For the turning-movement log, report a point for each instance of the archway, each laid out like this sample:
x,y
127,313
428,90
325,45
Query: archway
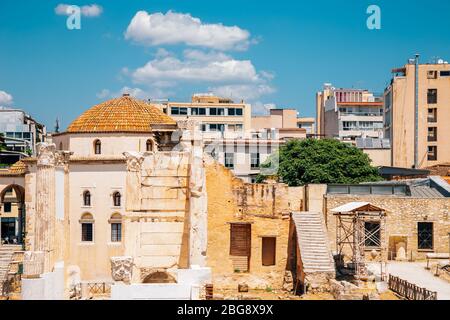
x,y
159,277
13,220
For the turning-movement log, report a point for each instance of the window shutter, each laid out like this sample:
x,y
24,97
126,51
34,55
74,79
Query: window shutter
x,y
240,243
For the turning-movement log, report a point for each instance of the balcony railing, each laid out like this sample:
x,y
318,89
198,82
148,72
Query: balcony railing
x,y
365,114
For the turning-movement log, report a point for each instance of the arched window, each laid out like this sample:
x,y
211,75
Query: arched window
x,y
116,227
149,145
87,198
87,227
97,147
116,199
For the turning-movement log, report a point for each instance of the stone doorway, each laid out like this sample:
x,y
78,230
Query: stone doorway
x,y
12,215
398,249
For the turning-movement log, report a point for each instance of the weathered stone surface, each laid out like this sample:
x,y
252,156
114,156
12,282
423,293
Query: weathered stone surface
x,y
402,217
33,264
122,268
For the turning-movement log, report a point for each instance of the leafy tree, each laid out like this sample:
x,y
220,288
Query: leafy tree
x,y
319,161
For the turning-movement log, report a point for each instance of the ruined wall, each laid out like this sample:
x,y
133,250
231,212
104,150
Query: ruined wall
x,y
403,214
267,207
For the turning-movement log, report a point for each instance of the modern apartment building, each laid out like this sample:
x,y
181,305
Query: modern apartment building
x,y
432,144
219,117
21,133
307,123
348,114
227,132
285,122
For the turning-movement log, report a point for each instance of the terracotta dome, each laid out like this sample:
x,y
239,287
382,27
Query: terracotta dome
x,y
124,114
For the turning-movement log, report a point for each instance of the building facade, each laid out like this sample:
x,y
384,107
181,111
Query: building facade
x,y
21,133
219,117
433,115
348,114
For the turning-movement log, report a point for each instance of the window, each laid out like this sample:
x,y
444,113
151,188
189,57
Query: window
x,y
432,115
432,134
432,74
235,111
432,153
229,160
217,127
60,146
87,228
27,135
425,235
149,145
198,111
116,199
7,207
97,147
178,111
445,73
87,199
254,160
432,96
372,234
116,227
203,127
268,251
216,111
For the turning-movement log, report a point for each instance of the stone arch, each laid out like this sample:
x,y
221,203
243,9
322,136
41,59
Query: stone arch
x,y
19,192
159,277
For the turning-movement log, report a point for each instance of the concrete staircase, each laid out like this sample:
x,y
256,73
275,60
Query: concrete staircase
x,y
313,242
6,257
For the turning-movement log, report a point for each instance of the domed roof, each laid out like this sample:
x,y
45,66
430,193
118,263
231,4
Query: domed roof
x,y
124,114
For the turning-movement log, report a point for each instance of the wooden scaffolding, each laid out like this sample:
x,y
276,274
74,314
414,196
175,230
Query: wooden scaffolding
x,y
352,233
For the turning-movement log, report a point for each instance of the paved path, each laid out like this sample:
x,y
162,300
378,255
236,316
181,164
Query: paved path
x,y
415,272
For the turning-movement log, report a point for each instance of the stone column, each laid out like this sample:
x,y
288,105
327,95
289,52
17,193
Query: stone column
x,y
45,204
133,191
197,194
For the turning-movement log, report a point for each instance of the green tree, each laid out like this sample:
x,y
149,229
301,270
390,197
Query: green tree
x,y
319,161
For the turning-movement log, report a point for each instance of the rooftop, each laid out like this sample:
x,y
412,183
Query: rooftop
x,y
124,114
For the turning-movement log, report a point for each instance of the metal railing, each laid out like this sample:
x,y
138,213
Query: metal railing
x,y
99,288
410,291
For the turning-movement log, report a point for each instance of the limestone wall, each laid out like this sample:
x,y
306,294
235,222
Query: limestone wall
x,y
266,207
403,214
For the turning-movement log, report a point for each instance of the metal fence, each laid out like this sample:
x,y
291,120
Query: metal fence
x,y
410,291
99,288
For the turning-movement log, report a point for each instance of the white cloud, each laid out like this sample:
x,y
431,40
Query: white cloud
x,y
260,108
5,99
243,91
196,66
175,28
103,94
91,11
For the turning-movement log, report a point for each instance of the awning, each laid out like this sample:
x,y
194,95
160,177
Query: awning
x,y
356,206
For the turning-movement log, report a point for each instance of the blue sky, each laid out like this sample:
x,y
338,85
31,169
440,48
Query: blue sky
x,y
278,53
